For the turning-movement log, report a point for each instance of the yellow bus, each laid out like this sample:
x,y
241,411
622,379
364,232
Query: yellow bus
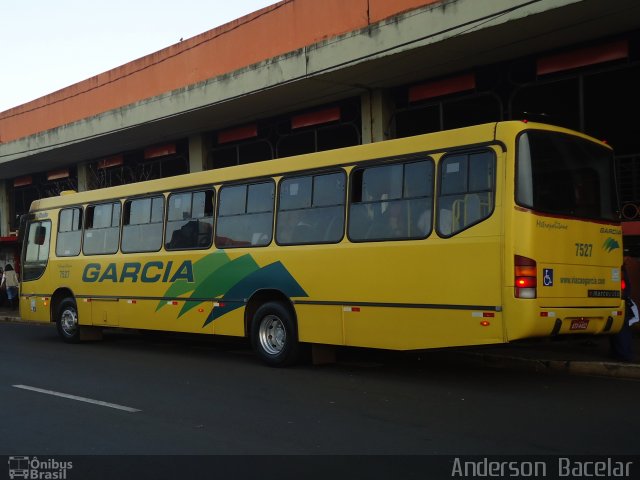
x,y
479,235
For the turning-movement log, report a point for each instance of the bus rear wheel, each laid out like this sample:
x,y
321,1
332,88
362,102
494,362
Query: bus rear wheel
x,y
274,336
67,321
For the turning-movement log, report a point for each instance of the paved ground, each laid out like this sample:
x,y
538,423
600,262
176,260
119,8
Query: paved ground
x,y
167,406
157,394
576,355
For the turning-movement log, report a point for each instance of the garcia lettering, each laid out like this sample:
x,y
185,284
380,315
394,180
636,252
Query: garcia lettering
x,y
134,272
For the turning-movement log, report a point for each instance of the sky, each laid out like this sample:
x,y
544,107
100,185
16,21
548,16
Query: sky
x,y
48,45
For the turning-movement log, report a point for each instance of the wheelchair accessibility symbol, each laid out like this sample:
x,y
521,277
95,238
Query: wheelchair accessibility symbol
x,y
547,277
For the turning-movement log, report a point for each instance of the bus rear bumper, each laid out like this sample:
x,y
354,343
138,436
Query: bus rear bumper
x,y
553,321
568,321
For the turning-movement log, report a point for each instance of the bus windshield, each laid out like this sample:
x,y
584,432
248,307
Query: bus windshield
x,y
565,175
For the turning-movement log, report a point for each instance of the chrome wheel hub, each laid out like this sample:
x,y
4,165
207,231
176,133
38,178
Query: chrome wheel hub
x,y
69,322
272,335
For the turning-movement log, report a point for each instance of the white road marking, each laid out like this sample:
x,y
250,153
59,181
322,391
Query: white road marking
x,y
80,399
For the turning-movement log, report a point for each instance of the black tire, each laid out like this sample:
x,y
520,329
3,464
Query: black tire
x,y
274,336
67,321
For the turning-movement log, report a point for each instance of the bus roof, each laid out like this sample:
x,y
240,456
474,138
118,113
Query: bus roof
x,y
430,142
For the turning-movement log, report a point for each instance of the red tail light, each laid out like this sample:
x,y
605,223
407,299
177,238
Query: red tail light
x,y
525,282
525,277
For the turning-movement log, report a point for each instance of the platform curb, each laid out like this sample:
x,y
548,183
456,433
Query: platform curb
x,y
609,369
572,367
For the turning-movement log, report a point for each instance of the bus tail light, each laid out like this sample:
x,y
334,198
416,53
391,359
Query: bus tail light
x,y
525,277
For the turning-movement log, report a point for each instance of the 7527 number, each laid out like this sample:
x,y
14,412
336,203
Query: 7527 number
x,y
583,249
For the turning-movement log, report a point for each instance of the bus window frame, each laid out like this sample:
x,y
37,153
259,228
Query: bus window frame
x,y
402,161
81,230
127,203
39,222
313,175
84,226
517,167
201,189
247,184
493,191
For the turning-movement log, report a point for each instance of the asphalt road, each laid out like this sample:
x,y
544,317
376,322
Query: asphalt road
x,y
201,397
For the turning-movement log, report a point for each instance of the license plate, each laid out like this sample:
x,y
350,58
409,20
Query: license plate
x,y
579,324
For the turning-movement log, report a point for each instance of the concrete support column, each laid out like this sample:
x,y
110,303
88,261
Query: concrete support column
x,y
197,153
83,177
377,112
5,210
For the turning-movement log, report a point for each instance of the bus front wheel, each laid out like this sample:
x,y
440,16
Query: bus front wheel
x,y
274,335
67,321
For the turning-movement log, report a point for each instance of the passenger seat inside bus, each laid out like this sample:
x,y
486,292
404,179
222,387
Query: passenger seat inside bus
x,y
472,208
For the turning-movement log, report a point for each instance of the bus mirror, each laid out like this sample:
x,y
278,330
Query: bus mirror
x,y
41,234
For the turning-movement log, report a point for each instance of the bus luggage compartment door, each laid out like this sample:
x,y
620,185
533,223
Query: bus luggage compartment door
x,y
104,312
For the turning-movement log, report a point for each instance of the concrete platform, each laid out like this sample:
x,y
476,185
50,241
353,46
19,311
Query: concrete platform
x,y
588,355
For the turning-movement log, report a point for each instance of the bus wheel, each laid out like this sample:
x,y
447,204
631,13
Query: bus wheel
x,y
273,335
67,321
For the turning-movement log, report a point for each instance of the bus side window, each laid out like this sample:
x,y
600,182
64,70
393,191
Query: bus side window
x,y
391,202
245,215
142,225
467,190
311,209
69,236
102,229
189,220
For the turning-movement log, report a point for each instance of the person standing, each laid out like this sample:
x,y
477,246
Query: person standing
x,y
10,282
621,343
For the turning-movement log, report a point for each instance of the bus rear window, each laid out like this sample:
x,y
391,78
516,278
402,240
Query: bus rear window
x,y
564,175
